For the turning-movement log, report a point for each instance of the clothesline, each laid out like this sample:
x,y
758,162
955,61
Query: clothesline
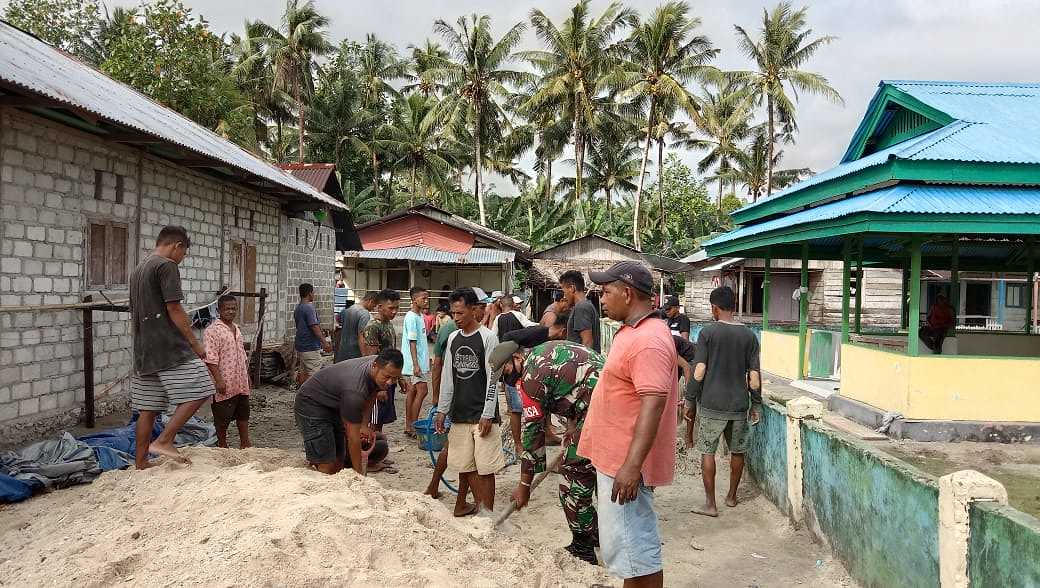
x,y
96,303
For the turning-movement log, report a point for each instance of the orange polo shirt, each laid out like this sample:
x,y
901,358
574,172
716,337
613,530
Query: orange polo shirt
x,y
641,362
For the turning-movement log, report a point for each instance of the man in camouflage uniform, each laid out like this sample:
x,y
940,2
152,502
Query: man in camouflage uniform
x,y
558,378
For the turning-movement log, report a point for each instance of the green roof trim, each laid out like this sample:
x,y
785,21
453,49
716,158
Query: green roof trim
x,y
886,95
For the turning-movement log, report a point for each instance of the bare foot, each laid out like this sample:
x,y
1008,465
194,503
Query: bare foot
x,y
434,494
147,464
470,509
731,502
168,451
706,511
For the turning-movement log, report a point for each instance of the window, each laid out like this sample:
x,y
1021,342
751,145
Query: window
x,y
107,244
243,278
108,186
244,217
1015,296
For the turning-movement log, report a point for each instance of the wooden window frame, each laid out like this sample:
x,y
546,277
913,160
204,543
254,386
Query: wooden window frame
x,y
1022,295
99,186
108,281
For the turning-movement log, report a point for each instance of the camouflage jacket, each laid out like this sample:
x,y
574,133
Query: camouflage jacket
x,y
558,378
380,335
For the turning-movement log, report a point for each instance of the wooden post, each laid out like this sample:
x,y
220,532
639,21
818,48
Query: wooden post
x,y
88,364
955,282
846,282
914,315
859,284
904,291
258,353
740,292
803,312
765,292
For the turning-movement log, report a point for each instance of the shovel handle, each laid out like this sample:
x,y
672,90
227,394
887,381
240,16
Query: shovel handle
x,y
534,484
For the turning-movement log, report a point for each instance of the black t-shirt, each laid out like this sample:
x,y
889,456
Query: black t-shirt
x,y
685,349
728,352
679,324
469,372
507,323
528,337
583,317
342,387
158,345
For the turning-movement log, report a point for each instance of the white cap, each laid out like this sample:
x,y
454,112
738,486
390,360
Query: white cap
x,y
482,296
498,294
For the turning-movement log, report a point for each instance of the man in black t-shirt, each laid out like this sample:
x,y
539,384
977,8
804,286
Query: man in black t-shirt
x,y
678,323
583,326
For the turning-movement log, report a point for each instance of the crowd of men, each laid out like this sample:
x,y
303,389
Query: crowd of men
x,y
616,414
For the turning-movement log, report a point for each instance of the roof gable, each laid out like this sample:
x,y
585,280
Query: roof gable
x,y
893,116
483,235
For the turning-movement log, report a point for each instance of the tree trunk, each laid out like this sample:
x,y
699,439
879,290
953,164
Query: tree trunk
x,y
548,179
769,155
579,158
375,179
660,184
642,175
299,110
720,194
610,210
280,154
476,169
413,184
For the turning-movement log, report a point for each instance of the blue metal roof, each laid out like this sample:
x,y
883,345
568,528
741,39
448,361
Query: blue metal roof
x,y
906,198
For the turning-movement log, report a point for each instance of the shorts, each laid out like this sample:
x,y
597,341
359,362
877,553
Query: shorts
x,y
516,405
471,452
235,408
325,440
418,378
310,361
173,386
385,412
630,543
710,429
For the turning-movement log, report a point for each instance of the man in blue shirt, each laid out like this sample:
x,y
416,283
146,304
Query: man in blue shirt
x,y
415,347
310,340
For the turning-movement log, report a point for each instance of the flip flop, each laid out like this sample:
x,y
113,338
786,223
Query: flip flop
x,y
704,513
386,469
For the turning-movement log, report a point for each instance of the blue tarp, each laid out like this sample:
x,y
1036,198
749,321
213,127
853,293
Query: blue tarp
x,y
14,490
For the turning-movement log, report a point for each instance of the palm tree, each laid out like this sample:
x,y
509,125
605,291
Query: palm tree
x,y
664,56
363,205
722,121
577,57
782,47
424,60
254,74
475,77
414,139
752,167
613,167
292,53
379,64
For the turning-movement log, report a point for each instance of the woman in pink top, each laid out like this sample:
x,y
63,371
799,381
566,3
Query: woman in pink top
x,y
629,433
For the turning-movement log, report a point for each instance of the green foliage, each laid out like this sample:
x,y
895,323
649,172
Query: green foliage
x,y
72,25
173,57
691,214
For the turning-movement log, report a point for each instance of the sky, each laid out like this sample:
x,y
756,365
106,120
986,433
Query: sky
x,y
977,40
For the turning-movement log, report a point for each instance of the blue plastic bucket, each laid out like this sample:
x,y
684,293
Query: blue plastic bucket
x,y
428,438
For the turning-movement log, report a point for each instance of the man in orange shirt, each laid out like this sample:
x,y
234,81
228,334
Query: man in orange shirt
x,y
629,433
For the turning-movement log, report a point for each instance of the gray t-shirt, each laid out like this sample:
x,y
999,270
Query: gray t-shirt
x,y
729,352
158,345
343,387
584,316
353,321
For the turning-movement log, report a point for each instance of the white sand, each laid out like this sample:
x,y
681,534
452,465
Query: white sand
x,y
258,518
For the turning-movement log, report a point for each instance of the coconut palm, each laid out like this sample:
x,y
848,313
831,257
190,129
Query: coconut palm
x,y
782,47
363,205
424,60
664,55
577,57
254,74
378,65
476,77
722,121
752,166
613,167
292,51
414,139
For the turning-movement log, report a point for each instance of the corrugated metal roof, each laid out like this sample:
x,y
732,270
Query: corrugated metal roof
x,y
315,174
907,198
443,216
32,65
475,256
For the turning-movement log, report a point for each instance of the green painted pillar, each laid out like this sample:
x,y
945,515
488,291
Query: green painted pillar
x,y
846,282
803,312
859,283
765,291
955,282
914,316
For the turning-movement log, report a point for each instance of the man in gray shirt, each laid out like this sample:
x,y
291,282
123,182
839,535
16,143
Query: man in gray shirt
x,y
583,326
334,407
353,321
168,366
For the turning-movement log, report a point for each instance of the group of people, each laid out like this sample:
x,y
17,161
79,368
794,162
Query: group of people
x,y
617,414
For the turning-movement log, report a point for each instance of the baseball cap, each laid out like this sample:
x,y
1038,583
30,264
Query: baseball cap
x,y
482,297
501,354
670,302
632,273
498,294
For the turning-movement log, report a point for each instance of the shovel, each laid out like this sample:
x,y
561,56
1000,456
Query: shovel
x,y
364,456
534,484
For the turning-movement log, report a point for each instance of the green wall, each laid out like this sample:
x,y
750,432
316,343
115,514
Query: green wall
x,y
1004,549
879,515
767,455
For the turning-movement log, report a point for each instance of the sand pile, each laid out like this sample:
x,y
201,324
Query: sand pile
x,y
258,518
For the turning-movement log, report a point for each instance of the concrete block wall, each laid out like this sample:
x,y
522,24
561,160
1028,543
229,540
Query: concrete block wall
x,y
47,201
312,259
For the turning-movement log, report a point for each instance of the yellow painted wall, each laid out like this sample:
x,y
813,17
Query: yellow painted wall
x,y
942,388
779,354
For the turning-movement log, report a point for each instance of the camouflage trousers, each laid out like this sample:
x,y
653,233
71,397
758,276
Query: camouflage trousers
x,y
578,493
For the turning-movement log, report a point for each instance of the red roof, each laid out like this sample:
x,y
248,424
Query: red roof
x,y
415,230
315,174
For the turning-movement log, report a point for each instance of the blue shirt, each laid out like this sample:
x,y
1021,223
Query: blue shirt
x,y
305,316
414,330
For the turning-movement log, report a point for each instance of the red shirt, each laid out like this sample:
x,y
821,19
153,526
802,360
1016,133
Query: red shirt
x,y
641,362
225,350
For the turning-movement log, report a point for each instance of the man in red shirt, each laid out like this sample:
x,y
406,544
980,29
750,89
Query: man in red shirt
x,y
629,433
939,322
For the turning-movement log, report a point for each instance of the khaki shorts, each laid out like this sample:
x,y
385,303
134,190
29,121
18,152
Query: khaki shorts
x,y
468,451
418,378
709,430
310,361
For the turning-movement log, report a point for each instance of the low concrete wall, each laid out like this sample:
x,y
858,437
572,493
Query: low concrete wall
x,y
1004,547
767,456
780,354
997,343
879,515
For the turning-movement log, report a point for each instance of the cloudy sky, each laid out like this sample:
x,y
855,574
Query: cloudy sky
x,y
985,40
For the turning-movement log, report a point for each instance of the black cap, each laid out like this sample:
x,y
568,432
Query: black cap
x,y
632,273
670,302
